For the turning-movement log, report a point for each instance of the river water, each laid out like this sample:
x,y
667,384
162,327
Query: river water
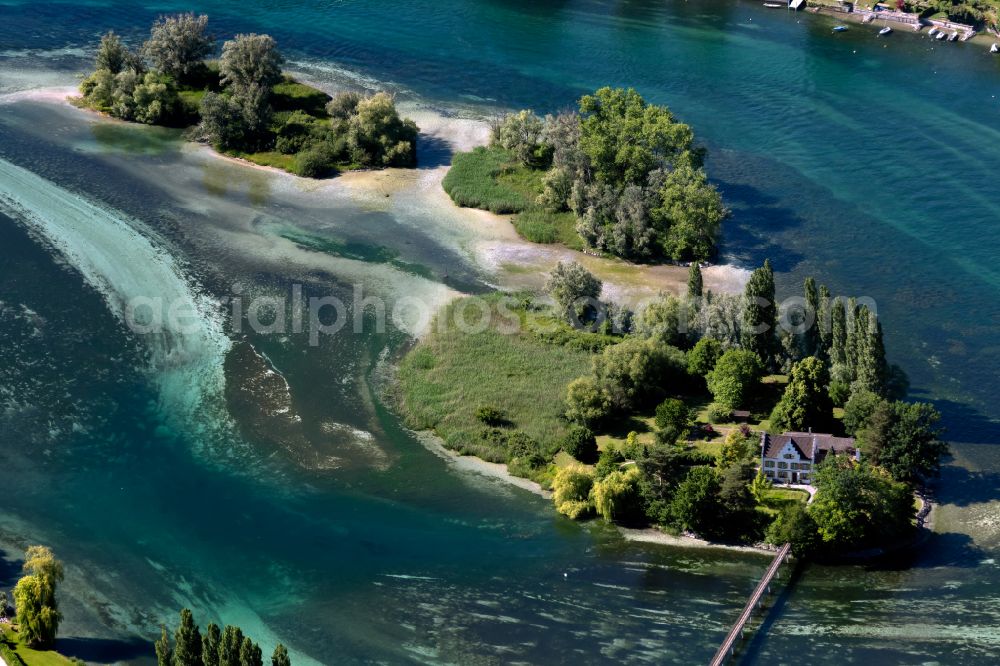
x,y
261,481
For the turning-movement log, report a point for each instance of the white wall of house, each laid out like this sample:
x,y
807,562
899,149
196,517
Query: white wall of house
x,y
788,467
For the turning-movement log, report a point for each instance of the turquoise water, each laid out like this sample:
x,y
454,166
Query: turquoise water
x,y
867,162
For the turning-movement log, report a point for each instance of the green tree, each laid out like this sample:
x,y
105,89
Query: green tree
x,y
164,653
178,44
806,401
574,288
280,656
663,469
378,136
738,519
669,320
703,357
635,372
695,505
760,486
857,505
617,497
571,491
580,443
222,121
250,653
625,138
859,409
210,645
4,604
905,439
38,613
586,403
870,368
794,525
250,64
520,133
691,212
734,377
760,314
187,642
838,334
112,55
672,420
229,646
696,284
740,446
811,337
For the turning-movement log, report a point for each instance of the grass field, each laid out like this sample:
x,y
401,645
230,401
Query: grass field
x,y
33,657
777,499
452,373
490,179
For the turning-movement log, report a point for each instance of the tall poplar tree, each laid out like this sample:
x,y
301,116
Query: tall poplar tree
x,y
838,333
187,642
696,285
811,339
757,333
229,646
210,645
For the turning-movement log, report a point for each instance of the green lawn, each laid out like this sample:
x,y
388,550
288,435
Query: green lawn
x,y
446,377
33,657
489,178
777,499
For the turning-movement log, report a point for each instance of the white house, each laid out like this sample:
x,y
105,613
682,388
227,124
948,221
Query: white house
x,y
791,457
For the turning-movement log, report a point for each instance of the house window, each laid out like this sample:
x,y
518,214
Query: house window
x,y
783,475
794,465
804,465
788,456
768,463
804,478
782,465
770,472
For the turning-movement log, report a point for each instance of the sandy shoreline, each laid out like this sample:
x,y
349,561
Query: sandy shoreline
x,y
473,464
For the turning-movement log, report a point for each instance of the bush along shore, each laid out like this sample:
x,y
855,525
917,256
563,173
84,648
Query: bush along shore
x,y
618,175
243,104
655,418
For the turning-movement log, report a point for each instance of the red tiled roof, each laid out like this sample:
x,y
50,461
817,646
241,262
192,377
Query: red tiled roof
x,y
806,443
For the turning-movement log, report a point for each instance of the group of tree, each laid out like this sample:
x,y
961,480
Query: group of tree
x,y
833,353
142,85
236,94
628,170
217,647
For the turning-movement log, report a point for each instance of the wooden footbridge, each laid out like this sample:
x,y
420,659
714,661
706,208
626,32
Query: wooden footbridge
x,y
728,647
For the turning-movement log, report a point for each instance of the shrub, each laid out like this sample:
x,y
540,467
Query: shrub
x,y
719,413
581,444
378,136
314,162
571,491
520,134
222,121
343,105
492,416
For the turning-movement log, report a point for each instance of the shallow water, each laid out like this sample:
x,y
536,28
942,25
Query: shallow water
x,y
866,162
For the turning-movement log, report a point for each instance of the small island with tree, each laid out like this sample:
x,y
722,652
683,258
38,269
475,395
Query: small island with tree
x,y
620,176
243,104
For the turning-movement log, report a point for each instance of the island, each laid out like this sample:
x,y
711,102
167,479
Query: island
x,y
673,416
243,104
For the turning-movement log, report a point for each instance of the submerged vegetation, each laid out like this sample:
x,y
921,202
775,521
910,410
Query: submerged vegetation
x,y
243,104
610,408
619,175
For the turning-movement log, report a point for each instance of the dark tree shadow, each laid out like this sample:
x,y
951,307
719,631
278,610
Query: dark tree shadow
x,y
106,650
433,152
751,651
10,570
756,218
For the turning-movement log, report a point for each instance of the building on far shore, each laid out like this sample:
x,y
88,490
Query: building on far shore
x,y
791,457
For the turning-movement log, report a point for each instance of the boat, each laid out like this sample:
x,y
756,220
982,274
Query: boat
x,y
773,5
884,31
839,28
932,32
953,36
995,48
940,36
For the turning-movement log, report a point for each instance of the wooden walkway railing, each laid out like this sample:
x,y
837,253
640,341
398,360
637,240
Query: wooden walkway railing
x,y
763,587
